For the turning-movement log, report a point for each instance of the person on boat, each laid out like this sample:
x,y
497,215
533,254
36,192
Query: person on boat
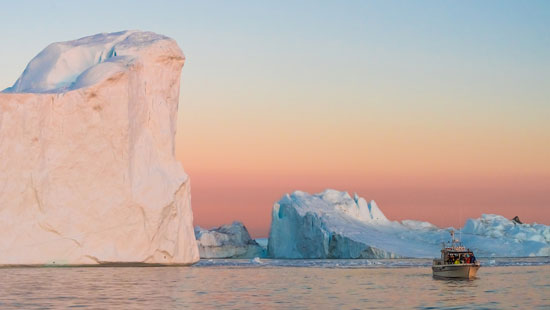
x,y
467,258
457,261
473,258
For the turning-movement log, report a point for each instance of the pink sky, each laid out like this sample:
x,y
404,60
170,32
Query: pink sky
x,y
424,155
219,199
425,160
224,196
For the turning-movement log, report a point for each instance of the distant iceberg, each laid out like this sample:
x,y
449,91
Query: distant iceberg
x,y
227,241
332,224
495,235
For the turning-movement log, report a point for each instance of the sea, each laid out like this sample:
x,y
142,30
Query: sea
x,y
502,283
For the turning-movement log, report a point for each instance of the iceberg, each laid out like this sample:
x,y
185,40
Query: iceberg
x,y
227,241
495,235
87,171
332,224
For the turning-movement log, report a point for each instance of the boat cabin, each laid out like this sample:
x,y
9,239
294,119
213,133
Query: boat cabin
x,y
457,256
455,253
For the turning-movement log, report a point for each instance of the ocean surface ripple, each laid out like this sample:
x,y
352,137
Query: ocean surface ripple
x,y
502,283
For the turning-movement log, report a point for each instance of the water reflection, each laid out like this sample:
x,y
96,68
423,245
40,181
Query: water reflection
x,y
271,287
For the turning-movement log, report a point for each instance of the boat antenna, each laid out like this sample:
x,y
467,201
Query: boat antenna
x,y
460,223
453,240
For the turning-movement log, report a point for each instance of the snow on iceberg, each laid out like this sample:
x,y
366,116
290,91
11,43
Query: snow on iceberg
x,y
227,241
88,173
64,66
332,224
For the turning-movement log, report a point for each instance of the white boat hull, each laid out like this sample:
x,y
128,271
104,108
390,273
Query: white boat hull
x,y
463,271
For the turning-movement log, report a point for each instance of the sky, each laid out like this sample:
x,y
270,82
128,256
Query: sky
x,y
437,110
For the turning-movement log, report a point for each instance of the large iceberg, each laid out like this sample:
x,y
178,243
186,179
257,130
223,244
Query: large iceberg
x,y
87,170
333,224
227,241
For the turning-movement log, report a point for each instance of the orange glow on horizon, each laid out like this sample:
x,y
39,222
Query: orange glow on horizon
x,y
220,199
415,169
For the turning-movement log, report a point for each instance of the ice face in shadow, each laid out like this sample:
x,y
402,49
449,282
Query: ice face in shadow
x,y
227,241
88,173
331,224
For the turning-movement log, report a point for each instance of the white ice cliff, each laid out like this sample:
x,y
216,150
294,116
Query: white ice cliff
x,y
87,167
332,224
227,241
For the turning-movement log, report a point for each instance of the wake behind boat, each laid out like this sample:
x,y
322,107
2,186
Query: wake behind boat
x,y
456,261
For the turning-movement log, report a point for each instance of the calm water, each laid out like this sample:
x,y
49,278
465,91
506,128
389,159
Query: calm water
x,y
279,284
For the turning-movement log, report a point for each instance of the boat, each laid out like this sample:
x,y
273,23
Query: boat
x,y
456,261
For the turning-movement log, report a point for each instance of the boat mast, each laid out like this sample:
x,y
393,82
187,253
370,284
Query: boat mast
x,y
454,241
